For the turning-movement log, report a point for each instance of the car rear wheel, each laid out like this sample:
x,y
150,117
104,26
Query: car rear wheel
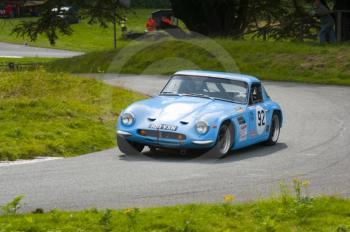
x,y
274,131
129,148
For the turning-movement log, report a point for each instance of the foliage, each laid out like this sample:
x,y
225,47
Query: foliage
x,y
12,207
150,3
279,19
86,37
44,114
274,214
290,20
213,18
341,4
52,24
106,220
132,215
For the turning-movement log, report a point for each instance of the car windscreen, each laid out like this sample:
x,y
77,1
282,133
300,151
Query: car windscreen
x,y
217,88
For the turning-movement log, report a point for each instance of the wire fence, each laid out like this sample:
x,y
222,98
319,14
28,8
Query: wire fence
x,y
342,24
14,67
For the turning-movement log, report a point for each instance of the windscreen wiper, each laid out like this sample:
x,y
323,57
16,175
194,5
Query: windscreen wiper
x,y
227,100
170,94
196,95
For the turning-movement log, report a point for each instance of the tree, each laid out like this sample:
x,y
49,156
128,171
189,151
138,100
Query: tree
x,y
151,4
277,18
213,17
280,19
51,23
293,21
342,5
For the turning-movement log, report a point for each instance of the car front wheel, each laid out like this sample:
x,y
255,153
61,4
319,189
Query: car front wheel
x,y
129,148
224,141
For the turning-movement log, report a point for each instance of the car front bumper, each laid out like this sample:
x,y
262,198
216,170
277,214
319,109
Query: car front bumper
x,y
188,143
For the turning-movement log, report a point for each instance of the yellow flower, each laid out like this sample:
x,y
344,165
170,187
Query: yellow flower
x,y
128,211
229,198
306,184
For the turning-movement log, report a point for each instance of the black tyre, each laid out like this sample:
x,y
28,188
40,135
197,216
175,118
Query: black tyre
x,y
274,130
153,150
224,141
129,148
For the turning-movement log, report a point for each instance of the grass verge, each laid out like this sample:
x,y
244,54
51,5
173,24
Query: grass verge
x,y
278,61
284,214
44,114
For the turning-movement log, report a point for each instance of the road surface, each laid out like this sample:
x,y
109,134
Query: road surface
x,y
19,51
314,145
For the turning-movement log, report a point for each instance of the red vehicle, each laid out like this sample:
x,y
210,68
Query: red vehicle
x,y
162,20
151,25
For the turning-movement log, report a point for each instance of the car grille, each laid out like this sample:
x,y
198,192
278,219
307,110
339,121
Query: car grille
x,y
162,134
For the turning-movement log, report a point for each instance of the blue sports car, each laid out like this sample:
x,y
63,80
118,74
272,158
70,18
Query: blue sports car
x,y
203,111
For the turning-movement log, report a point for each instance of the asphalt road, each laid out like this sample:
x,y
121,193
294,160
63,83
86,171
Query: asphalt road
x,y
16,50
314,145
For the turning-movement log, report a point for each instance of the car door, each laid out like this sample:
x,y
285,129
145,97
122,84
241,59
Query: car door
x,y
258,112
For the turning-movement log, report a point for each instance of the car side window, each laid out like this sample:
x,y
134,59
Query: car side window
x,y
256,95
265,92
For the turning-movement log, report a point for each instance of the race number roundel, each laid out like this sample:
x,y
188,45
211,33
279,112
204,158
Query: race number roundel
x,y
260,120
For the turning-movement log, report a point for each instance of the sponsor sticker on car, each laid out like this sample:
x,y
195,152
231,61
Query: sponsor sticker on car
x,y
243,132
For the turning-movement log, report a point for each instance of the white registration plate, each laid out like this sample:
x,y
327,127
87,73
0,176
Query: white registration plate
x,y
163,127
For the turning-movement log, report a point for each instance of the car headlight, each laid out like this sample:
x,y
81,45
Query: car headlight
x,y
202,127
127,119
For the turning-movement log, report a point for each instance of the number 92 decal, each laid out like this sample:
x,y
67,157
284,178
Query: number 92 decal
x,y
260,120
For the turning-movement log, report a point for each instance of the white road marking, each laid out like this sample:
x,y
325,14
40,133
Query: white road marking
x,y
11,57
23,162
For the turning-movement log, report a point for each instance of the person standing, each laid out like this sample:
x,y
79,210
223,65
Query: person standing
x,y
327,33
9,10
123,25
151,25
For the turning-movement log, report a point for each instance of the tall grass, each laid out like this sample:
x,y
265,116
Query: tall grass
x,y
44,114
293,211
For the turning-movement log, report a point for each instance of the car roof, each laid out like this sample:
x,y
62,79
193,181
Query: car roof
x,y
226,75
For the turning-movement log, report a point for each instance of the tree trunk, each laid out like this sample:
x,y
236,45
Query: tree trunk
x,y
115,30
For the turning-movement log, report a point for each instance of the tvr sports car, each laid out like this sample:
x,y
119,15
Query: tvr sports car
x,y
203,111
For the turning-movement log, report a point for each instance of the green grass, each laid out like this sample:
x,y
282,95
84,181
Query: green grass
x,y
85,37
320,214
44,114
278,61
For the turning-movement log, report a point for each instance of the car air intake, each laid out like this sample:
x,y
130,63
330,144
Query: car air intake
x,y
161,134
